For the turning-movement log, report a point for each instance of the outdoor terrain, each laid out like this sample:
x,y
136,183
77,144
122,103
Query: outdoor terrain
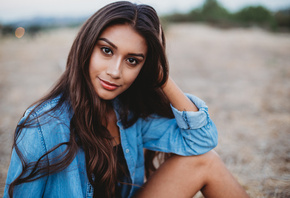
x,y
242,74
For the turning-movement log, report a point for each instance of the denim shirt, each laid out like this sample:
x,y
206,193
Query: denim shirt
x,y
189,133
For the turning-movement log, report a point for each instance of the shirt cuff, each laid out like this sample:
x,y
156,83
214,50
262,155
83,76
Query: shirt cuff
x,y
191,119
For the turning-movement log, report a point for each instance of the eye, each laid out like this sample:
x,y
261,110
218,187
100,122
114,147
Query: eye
x,y
133,61
107,50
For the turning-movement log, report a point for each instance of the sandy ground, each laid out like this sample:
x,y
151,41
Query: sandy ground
x,y
242,74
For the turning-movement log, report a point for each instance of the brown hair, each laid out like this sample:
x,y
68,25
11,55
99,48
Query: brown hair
x,y
74,87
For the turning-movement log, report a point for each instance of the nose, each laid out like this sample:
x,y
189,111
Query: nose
x,y
114,69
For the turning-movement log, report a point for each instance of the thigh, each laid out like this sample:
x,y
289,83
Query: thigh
x,y
178,176
181,176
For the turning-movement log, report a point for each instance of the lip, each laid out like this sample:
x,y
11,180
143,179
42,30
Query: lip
x,y
108,85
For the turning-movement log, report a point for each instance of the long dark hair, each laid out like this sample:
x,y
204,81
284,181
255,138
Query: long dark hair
x,y
74,87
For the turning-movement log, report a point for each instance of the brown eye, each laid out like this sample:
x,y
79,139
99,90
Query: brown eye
x,y
107,50
132,61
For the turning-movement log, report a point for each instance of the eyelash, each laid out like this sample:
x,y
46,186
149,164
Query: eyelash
x,y
110,52
106,48
133,59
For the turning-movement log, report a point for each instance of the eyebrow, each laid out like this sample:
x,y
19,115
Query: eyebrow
x,y
109,42
114,46
140,55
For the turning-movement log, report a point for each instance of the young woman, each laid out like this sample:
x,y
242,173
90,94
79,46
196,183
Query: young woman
x,y
86,137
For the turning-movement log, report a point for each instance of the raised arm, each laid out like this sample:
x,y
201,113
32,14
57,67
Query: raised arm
x,y
177,98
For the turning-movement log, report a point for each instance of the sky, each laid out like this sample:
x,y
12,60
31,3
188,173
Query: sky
x,y
14,10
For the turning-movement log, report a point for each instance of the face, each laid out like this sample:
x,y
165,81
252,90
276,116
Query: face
x,y
116,60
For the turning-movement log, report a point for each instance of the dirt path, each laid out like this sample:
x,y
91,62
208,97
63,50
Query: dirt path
x,y
243,75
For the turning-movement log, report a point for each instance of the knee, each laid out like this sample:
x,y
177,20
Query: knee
x,y
210,158
199,162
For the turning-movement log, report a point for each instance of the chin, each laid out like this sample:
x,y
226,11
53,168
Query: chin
x,y
107,96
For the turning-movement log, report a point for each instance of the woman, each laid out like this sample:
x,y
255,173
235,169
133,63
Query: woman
x,y
86,137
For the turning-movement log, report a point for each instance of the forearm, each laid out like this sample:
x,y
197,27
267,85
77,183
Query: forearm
x,y
177,98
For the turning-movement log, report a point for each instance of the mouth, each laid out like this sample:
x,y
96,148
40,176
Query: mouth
x,y
108,85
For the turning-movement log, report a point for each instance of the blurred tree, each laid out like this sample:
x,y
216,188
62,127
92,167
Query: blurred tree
x,y
196,15
212,11
177,17
255,15
7,30
34,29
283,18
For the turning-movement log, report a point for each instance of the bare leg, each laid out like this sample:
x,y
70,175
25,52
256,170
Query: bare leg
x,y
185,176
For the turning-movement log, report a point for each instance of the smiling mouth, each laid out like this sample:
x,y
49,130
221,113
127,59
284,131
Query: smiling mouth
x,y
108,85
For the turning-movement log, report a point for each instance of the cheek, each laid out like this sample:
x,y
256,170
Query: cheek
x,y
96,64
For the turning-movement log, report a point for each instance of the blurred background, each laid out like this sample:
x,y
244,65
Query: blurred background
x,y
235,55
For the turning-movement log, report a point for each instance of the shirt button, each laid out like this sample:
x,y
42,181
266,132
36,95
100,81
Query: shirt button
x,y
127,150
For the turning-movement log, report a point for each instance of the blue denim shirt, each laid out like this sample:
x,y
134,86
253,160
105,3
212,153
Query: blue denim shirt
x,y
189,133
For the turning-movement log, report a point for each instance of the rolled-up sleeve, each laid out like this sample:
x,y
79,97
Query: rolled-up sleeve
x,y
190,119
189,133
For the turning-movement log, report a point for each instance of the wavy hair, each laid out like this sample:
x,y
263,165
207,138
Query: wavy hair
x,y
74,87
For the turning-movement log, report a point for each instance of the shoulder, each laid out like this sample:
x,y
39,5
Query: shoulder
x,y
49,109
46,124
38,132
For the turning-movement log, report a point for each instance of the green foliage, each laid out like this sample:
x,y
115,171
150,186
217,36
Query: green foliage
x,y
257,15
214,13
196,15
177,17
211,11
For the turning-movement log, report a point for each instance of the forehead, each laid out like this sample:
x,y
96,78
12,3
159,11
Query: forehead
x,y
123,36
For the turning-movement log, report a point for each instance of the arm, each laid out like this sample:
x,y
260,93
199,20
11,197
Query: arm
x,y
189,133
177,98
172,91
192,132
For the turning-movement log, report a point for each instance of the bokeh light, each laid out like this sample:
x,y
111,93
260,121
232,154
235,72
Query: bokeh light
x,y
19,32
